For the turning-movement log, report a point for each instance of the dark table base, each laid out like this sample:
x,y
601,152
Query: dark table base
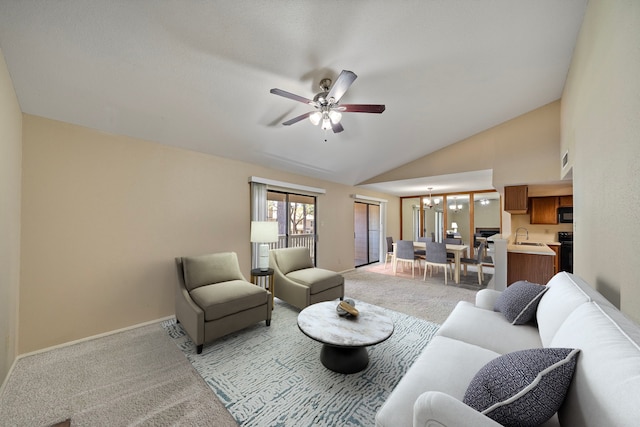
x,y
344,360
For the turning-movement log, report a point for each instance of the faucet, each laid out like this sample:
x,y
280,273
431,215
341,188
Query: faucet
x,y
517,230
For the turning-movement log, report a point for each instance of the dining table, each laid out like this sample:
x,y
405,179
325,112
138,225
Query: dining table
x,y
457,250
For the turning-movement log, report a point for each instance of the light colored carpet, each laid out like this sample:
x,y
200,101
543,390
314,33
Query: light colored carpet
x,y
272,376
430,300
139,377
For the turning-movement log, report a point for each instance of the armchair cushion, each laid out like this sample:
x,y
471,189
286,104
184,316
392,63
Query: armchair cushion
x,y
295,259
228,298
208,269
317,279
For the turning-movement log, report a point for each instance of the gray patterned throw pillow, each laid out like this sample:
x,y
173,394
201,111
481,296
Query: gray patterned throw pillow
x,y
524,388
519,302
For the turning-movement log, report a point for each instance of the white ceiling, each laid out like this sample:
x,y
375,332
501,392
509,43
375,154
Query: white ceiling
x,y
197,75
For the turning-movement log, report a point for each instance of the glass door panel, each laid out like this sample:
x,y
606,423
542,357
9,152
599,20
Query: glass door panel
x,y
374,233
486,216
458,217
360,230
433,218
296,218
366,233
410,218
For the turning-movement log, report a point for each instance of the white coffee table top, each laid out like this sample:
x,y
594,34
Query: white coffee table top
x,y
322,323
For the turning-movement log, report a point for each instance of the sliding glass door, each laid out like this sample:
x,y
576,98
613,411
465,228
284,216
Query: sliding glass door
x,y
366,233
296,217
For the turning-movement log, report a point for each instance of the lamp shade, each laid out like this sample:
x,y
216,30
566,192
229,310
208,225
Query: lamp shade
x,y
454,225
264,231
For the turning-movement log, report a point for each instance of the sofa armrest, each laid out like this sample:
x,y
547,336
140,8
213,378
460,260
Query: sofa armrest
x,y
437,409
486,298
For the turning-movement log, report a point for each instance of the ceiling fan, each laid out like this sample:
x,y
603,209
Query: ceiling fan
x,y
327,103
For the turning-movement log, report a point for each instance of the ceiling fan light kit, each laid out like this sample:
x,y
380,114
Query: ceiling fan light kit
x,y
329,111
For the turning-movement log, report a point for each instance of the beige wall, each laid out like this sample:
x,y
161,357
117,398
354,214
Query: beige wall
x,y
104,216
524,150
601,130
10,190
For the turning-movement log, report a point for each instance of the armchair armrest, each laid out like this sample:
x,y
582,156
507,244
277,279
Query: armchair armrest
x,y
437,409
486,298
288,290
190,315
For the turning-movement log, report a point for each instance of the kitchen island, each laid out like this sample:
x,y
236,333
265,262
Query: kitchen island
x,y
531,261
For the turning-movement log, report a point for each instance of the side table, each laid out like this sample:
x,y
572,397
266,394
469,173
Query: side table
x,y
264,278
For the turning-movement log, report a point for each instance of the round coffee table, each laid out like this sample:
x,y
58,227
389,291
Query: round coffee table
x,y
345,338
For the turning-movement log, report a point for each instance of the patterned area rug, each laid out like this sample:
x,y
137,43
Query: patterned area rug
x,y
272,376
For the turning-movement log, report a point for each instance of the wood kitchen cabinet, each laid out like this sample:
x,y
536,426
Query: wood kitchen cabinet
x,y
529,267
544,210
566,201
516,199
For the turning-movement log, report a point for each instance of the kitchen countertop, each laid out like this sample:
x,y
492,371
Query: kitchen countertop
x,y
533,250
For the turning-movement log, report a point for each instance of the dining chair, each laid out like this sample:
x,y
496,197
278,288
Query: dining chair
x,y
389,255
405,253
437,257
421,252
452,241
477,261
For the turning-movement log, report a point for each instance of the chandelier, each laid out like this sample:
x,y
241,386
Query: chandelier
x,y
429,203
455,207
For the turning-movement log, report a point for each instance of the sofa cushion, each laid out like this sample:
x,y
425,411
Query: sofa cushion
x,y
524,388
488,329
565,293
317,279
518,303
292,259
606,383
446,365
212,268
224,299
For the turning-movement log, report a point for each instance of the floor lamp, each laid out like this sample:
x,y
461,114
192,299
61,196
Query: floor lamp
x,y
264,232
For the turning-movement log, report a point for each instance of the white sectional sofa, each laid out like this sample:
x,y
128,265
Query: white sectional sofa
x,y
604,389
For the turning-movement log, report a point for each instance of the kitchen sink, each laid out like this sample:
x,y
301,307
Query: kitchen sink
x,y
529,244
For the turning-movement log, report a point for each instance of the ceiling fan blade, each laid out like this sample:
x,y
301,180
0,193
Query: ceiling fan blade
x,y
362,108
337,127
345,79
290,95
297,119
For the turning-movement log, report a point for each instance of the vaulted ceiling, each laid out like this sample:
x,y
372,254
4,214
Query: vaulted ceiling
x,y
197,75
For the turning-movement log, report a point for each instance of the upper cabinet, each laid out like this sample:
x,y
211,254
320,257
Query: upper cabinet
x,y
544,210
566,201
516,199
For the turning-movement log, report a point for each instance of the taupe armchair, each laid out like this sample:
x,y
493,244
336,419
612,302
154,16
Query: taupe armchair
x,y
214,299
298,282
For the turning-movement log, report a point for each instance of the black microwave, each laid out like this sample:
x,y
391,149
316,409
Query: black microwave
x,y
565,215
